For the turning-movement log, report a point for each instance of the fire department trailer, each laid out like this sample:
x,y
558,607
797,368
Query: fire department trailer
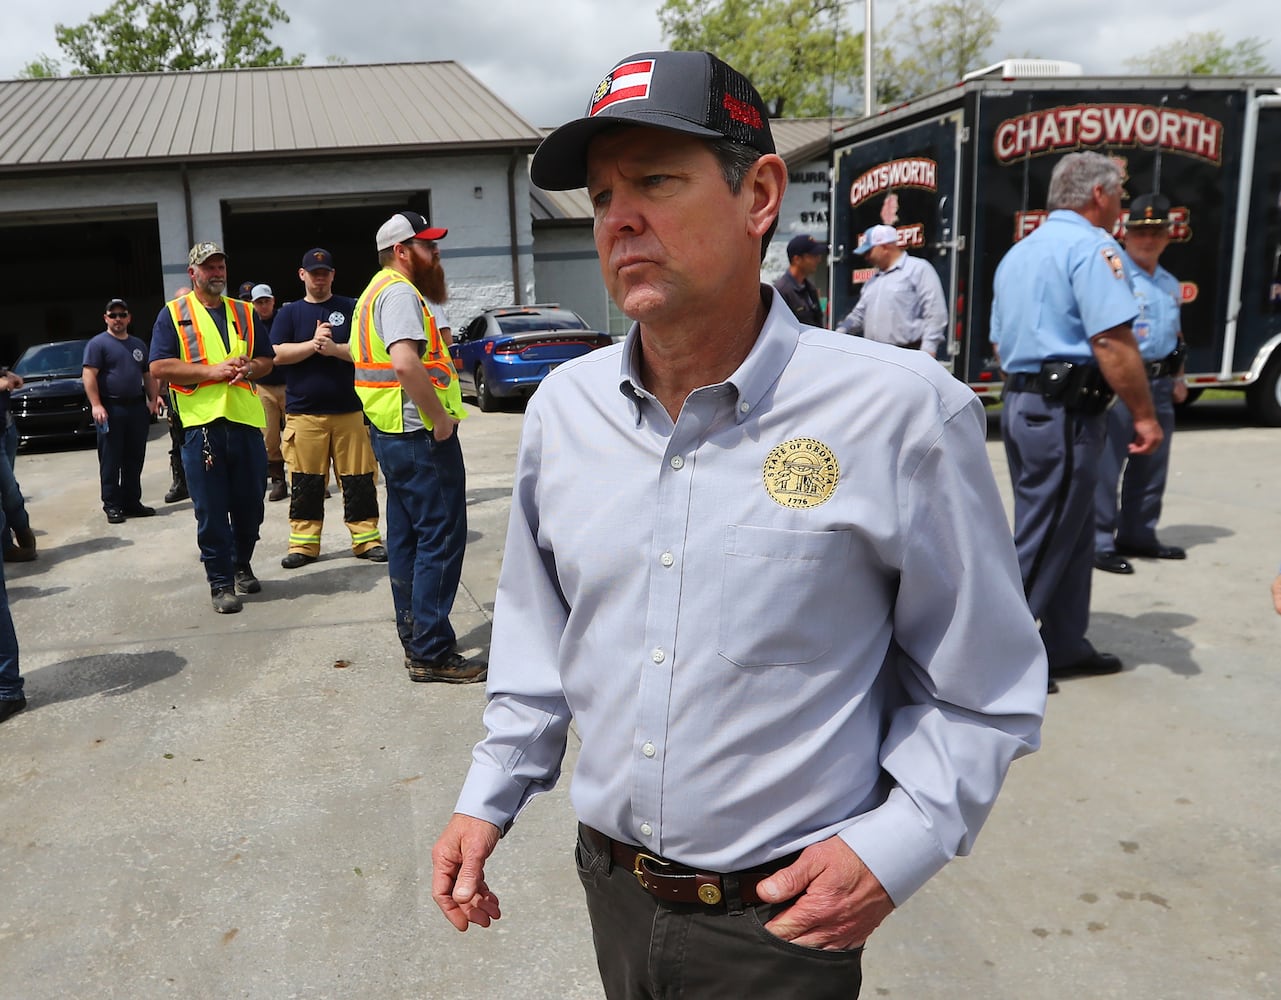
x,y
963,174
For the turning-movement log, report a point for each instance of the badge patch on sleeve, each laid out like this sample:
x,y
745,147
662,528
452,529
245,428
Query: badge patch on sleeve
x,y
1114,261
801,473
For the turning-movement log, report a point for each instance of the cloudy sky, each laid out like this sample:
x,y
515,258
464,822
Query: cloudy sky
x,y
543,57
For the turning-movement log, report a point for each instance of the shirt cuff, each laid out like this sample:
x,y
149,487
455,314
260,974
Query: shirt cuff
x,y
491,795
895,845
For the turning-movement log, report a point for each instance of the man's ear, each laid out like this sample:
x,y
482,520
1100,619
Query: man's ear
x,y
766,182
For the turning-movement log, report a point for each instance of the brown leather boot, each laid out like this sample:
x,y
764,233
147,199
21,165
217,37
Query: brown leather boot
x,y
26,537
276,480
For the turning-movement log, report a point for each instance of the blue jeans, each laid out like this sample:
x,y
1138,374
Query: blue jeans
x,y
425,537
227,495
10,678
121,451
15,508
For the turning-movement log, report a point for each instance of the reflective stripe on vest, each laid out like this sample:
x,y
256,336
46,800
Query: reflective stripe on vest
x,y
200,343
375,377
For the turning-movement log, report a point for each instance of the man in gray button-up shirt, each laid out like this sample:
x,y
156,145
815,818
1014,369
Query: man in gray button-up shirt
x,y
902,302
762,567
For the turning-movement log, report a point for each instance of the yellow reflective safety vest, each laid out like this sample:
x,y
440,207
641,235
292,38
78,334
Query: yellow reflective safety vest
x,y
200,343
376,382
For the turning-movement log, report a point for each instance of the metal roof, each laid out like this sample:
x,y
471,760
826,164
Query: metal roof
x,y
280,112
798,140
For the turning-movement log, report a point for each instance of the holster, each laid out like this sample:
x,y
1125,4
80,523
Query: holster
x,y
1080,388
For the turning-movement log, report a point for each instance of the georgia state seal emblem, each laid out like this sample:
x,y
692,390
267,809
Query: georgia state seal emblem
x,y
800,473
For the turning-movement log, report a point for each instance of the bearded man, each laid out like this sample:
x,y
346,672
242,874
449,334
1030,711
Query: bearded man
x,y
409,391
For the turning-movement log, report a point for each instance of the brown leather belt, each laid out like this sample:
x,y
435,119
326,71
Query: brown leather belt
x,y
675,883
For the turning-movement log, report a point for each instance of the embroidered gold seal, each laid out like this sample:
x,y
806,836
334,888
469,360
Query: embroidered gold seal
x,y
800,473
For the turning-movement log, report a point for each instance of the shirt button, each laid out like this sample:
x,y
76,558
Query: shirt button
x,y
678,462
744,407
658,656
648,750
667,559
646,829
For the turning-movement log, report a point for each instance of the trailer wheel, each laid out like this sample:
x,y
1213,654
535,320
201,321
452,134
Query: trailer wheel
x,y
1263,399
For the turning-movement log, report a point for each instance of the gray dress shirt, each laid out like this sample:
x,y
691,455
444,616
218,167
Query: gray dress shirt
x,y
901,305
795,613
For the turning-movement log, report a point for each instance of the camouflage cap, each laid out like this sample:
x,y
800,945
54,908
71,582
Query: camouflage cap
x,y
201,252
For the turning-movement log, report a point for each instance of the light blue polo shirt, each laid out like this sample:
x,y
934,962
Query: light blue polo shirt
x,y
1056,289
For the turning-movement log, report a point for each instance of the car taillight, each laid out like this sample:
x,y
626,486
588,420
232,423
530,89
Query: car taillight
x,y
604,340
506,348
489,347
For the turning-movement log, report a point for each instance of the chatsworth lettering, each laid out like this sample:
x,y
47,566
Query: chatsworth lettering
x,y
1079,125
913,172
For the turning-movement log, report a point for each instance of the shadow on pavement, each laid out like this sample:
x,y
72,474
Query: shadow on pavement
x,y
1151,637
364,576
108,674
1192,536
46,558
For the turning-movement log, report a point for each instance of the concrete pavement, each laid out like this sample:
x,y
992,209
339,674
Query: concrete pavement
x,y
214,806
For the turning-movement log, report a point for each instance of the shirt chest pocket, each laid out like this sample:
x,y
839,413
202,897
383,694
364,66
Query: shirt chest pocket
x,y
782,594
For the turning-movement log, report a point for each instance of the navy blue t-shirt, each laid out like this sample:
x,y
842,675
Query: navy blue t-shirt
x,y
317,384
277,374
120,365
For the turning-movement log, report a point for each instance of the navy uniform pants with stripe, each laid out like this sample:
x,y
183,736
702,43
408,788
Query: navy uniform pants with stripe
x,y
1054,456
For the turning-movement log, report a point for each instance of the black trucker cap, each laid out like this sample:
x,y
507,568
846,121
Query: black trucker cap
x,y
690,92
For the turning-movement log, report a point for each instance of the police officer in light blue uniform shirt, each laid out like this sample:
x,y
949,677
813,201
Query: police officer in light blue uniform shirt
x,y
1061,316
1130,530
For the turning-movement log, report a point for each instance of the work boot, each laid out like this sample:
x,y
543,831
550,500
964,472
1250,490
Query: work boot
x,y
246,582
26,537
453,669
178,491
15,553
225,601
276,479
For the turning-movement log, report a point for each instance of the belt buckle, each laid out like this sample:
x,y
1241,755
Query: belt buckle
x,y
709,894
639,871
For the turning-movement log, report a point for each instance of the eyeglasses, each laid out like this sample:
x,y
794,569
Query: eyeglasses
x,y
117,315
428,245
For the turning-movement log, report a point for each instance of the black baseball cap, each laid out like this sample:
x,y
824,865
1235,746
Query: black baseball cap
x,y
317,259
1149,210
246,290
798,246
117,302
690,92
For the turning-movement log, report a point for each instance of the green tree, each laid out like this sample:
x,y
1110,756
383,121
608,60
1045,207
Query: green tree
x,y
798,53
1205,52
934,45
40,68
147,36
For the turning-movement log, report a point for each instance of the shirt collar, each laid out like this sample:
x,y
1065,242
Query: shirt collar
x,y
752,379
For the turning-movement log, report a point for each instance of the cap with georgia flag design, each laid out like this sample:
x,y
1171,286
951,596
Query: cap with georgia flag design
x,y
690,92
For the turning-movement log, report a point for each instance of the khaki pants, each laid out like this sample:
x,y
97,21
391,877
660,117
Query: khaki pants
x,y
310,442
273,405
